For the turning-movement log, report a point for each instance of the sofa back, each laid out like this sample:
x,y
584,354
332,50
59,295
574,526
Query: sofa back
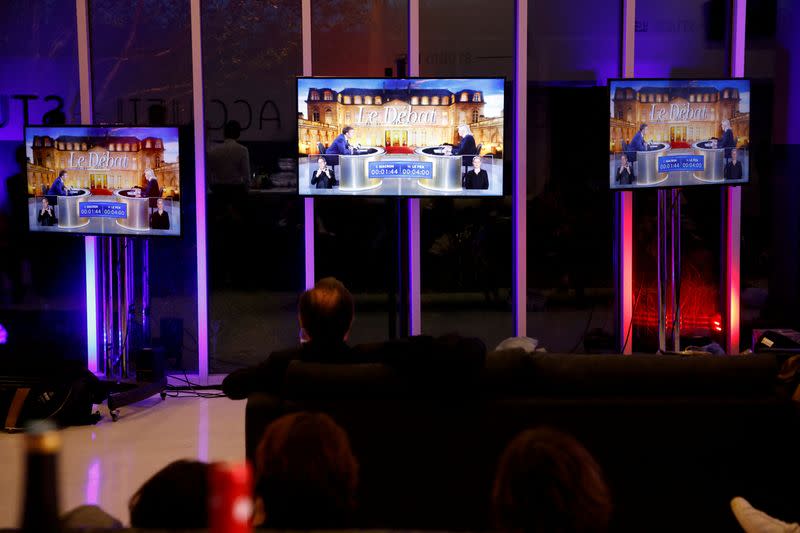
x,y
677,437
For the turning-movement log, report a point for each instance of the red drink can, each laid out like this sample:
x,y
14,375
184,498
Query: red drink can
x,y
230,493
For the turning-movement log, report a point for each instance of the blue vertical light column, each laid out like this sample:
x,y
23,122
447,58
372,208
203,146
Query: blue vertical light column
x,y
90,244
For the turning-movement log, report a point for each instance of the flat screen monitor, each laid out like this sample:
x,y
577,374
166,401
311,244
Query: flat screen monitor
x,y
103,180
400,136
678,133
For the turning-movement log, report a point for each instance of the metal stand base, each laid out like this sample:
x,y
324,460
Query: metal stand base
x,y
125,393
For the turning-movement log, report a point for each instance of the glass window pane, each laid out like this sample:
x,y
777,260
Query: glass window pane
x,y
573,48
770,280
573,41
465,244
142,75
689,40
251,54
42,277
354,236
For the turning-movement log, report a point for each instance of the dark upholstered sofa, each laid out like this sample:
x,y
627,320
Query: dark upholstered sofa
x,y
677,437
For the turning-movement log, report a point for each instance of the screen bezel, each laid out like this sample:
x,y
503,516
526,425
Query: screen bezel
x,y
698,185
506,161
136,235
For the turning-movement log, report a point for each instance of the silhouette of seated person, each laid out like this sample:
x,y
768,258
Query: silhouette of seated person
x,y
306,475
176,497
326,314
46,216
547,481
159,219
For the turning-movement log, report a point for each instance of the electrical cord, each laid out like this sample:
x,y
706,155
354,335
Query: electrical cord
x,y
191,389
585,330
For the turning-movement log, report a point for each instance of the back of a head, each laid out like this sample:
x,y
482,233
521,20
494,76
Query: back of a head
x,y
174,498
326,311
232,129
548,482
306,474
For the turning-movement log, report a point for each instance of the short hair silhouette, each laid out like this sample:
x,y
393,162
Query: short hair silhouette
x,y
232,129
306,474
346,129
547,482
176,497
326,311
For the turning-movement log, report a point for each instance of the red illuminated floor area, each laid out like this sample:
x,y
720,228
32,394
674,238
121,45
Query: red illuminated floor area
x,y
101,192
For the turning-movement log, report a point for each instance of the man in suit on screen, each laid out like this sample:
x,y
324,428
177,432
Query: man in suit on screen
x,y
341,144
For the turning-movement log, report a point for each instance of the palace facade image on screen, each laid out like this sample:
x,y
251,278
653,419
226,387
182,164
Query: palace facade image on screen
x,y
678,133
103,180
400,137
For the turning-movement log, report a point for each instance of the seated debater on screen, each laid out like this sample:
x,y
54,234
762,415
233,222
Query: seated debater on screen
x,y
341,144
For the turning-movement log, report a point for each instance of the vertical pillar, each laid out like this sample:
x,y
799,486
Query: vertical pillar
x,y
414,271
308,203
520,174
733,201
90,243
624,205
198,116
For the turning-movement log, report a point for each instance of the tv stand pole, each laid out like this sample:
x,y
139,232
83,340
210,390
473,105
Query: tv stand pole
x,y
123,283
669,268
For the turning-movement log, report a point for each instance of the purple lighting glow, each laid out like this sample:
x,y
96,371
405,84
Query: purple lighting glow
x,y
3,334
92,493
91,304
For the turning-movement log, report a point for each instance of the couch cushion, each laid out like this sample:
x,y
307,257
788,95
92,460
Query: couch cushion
x,y
588,374
310,380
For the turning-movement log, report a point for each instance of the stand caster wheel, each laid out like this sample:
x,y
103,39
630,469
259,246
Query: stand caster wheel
x,y
114,415
163,396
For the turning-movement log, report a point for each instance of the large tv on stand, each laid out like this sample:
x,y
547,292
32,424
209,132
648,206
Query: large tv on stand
x,y
400,136
104,180
678,133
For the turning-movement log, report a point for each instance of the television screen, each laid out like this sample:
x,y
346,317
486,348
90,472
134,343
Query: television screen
x,y
400,137
678,133
103,180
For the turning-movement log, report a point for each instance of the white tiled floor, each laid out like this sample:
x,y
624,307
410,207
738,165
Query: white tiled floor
x,y
104,464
